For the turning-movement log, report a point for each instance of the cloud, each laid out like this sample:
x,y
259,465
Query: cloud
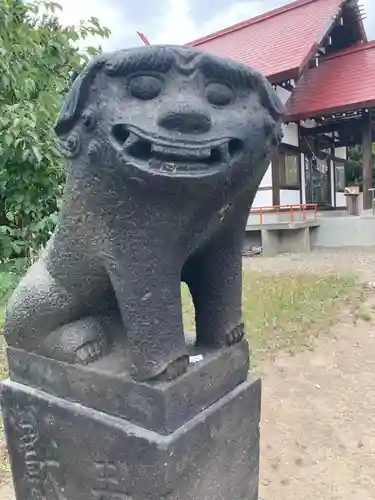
x,y
165,21
370,18
108,13
172,21
197,24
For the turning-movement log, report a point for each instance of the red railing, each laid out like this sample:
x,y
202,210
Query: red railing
x,y
302,208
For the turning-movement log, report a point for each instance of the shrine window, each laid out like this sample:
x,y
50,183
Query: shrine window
x,y
289,167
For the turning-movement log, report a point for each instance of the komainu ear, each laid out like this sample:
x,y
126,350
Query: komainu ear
x,y
77,97
271,101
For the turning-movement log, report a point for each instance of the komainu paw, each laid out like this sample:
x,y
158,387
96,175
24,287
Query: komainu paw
x,y
173,370
82,342
91,351
236,335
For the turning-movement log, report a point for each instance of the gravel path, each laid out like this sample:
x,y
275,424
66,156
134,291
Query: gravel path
x,y
361,262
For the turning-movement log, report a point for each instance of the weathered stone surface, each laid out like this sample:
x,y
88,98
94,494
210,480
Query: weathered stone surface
x,y
65,451
167,147
106,385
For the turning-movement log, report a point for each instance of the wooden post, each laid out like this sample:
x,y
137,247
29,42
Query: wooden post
x,y
367,162
275,178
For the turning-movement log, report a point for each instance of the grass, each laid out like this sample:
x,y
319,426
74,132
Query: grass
x,y
285,311
364,316
288,311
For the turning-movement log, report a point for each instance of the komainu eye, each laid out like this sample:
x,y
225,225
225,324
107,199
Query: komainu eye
x,y
145,87
219,94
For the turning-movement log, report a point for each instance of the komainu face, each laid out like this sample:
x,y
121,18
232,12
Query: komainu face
x,y
176,112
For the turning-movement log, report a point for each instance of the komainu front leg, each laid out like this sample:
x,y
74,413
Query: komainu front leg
x,y
215,281
149,297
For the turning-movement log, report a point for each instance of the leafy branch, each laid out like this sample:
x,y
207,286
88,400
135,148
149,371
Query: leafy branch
x,y
38,57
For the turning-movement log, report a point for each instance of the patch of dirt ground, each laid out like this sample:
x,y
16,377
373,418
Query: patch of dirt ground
x,y
318,415
6,492
318,407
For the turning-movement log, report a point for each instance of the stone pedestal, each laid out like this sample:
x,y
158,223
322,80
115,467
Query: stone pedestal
x,y
83,433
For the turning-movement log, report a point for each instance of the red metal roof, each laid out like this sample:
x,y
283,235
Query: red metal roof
x,y
344,81
278,43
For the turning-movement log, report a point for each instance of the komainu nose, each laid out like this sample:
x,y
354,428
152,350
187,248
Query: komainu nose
x,y
186,119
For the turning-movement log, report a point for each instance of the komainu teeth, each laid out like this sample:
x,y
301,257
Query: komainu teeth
x,y
171,159
155,163
162,150
181,152
202,153
224,153
168,167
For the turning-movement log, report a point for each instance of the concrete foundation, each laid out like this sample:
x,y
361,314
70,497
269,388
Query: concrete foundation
x,y
285,240
333,229
344,231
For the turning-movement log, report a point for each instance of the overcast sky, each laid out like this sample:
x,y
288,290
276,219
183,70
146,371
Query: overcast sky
x,y
173,21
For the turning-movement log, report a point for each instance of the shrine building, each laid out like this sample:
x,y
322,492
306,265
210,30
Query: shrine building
x,y
317,56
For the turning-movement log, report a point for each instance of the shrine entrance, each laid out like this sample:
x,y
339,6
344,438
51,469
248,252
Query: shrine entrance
x,y
318,180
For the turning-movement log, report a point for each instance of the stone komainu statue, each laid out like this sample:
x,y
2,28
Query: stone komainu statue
x,y
167,148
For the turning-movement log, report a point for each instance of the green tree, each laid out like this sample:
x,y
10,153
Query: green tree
x,y
38,59
353,169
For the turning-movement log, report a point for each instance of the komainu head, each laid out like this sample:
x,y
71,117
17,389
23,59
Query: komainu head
x,y
172,112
